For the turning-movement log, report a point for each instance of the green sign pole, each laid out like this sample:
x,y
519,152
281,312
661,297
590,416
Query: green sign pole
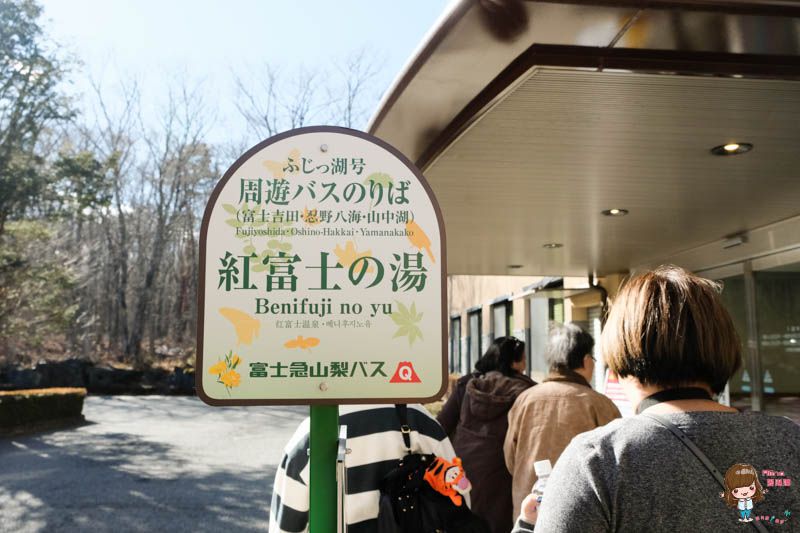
x,y
322,451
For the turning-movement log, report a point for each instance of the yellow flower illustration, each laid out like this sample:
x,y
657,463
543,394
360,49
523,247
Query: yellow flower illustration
x,y
219,368
226,371
231,378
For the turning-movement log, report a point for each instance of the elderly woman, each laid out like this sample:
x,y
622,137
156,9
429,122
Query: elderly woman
x,y
673,346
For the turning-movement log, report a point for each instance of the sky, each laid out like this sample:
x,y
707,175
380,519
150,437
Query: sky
x,y
205,41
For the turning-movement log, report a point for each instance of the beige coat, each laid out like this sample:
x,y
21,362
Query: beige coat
x,y
543,421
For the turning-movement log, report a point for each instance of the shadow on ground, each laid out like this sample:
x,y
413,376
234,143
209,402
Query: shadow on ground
x,y
142,466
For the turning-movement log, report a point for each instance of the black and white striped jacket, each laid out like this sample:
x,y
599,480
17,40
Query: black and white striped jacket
x,y
376,444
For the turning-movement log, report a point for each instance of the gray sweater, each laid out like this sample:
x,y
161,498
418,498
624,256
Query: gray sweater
x,y
633,475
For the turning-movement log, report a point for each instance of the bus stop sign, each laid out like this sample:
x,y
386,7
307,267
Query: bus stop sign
x,y
322,276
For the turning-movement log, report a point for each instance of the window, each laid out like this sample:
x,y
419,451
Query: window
x,y
595,316
502,312
539,313
766,313
455,344
556,310
474,340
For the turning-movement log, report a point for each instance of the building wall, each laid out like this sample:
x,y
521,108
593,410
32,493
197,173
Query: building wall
x,y
529,316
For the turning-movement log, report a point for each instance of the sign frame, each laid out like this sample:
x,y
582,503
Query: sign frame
x,y
218,188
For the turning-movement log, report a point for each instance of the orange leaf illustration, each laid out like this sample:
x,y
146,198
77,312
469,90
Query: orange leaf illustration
x,y
279,168
418,238
349,255
304,343
245,325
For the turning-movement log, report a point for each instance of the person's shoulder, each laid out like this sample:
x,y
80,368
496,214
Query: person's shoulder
x,y
463,380
531,396
618,432
597,450
364,420
426,422
299,439
780,428
552,390
783,422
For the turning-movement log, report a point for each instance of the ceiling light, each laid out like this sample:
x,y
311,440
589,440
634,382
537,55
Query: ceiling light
x,y
552,245
731,148
734,240
615,212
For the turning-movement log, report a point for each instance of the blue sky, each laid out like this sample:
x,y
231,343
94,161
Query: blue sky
x,y
156,40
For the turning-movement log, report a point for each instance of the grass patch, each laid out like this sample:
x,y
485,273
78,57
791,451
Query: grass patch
x,y
44,392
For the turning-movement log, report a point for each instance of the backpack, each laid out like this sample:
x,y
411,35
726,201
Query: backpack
x,y
415,498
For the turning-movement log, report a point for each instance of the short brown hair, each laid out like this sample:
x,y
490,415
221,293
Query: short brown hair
x,y
669,328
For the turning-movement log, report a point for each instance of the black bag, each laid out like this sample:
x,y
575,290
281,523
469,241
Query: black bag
x,y
408,504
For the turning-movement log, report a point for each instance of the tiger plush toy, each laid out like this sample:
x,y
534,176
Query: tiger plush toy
x,y
448,479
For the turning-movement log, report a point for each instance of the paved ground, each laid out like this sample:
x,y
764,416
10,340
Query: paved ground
x,y
146,463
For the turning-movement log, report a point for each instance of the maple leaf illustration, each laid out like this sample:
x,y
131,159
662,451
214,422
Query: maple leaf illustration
x,y
279,169
407,319
349,254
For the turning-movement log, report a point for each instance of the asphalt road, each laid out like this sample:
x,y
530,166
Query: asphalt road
x,y
147,463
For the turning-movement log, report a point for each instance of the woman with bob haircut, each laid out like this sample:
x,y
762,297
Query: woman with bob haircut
x,y
475,417
673,346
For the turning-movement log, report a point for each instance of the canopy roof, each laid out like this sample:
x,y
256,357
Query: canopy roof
x,y
599,106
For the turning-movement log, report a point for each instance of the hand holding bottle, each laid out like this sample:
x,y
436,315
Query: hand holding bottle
x,y
530,505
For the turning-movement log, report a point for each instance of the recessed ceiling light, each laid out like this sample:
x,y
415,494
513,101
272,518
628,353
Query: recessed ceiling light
x,y
514,267
731,148
552,245
615,212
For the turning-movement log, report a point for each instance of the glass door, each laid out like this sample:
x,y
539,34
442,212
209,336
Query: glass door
x,y
763,298
778,313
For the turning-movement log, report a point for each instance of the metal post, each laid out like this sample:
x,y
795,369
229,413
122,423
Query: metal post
x,y
753,355
341,480
322,450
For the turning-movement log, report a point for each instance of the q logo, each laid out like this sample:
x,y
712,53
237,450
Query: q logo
x,y
405,373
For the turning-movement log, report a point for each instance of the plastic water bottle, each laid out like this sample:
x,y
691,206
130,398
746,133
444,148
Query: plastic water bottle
x,y
542,469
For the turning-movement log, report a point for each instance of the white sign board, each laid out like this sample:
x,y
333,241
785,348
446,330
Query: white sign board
x,y
322,276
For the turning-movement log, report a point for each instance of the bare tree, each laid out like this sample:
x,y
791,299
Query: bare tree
x,y
134,254
177,160
358,73
258,102
113,137
271,102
